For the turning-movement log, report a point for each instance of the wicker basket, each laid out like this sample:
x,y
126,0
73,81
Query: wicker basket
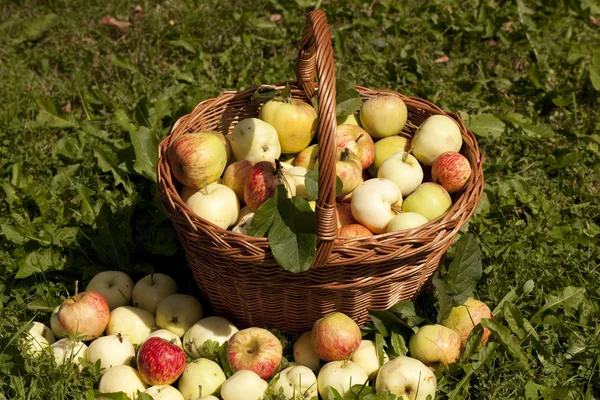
x,y
238,274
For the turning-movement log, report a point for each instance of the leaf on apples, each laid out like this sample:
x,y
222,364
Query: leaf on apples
x,y
144,396
265,93
286,93
472,344
406,311
347,98
311,181
380,344
398,342
263,217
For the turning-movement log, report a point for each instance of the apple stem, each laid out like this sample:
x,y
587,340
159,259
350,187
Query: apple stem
x,y
204,189
404,156
200,391
345,154
76,288
359,137
396,209
152,278
120,337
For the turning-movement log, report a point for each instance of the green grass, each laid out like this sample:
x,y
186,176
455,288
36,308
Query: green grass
x,y
73,201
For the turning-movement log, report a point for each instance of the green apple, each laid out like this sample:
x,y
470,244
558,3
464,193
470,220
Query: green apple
x,y
294,120
386,147
465,317
408,378
429,199
404,170
38,338
308,157
132,323
433,344
217,329
340,375
297,382
406,220
215,203
201,372
368,358
436,135
178,312
122,378
383,116
254,140
115,286
244,385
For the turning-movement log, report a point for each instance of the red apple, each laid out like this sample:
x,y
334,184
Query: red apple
x,y
349,169
255,349
236,175
344,214
197,159
358,141
86,314
160,362
262,182
464,318
353,231
335,337
451,170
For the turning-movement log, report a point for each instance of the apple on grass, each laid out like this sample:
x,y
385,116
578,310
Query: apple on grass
x,y
235,176
217,329
197,159
57,329
375,202
404,170
465,317
38,338
122,378
406,220
335,337
164,392
111,350
132,323
436,135
115,286
255,349
358,141
167,335
406,377
151,289
435,344
160,362
178,312
368,358
308,157
254,140
244,385
385,148
451,170
383,116
297,382
294,120
67,350
429,199
340,375
201,377
304,353
262,183
215,203
84,315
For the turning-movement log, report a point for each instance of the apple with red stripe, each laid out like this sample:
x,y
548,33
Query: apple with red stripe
x,y
451,170
262,182
335,337
160,362
358,141
255,349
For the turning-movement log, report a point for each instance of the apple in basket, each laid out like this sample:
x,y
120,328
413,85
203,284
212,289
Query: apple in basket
x,y
308,157
383,116
263,179
429,199
358,141
215,203
451,170
404,170
349,169
436,135
294,120
385,148
235,176
254,140
375,202
197,159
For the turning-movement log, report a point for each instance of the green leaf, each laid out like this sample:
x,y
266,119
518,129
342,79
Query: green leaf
x,y
144,396
514,318
41,196
484,125
108,163
459,282
263,217
123,63
42,304
347,98
504,336
311,181
398,343
13,233
571,297
292,236
62,180
37,28
124,121
405,309
88,215
472,344
39,261
530,129
265,93
380,344
534,391
145,145
595,70
286,93
45,119
183,44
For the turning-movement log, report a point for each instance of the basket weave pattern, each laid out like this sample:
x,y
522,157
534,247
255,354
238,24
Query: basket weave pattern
x,y
238,273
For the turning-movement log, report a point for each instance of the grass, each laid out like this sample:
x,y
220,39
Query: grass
x,y
524,74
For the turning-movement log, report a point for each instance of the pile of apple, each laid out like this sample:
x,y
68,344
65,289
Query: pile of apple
x,y
226,178
170,332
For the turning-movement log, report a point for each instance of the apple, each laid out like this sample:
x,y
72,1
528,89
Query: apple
x,y
354,231
344,214
433,344
436,135
308,157
298,173
294,120
262,183
235,176
201,373
406,220
255,349
164,392
408,377
243,224
304,353
38,338
215,203
122,378
287,159
160,362
335,337
340,375
358,141
244,385
197,159
386,147
67,350
383,116
111,350
254,140
132,323
348,168
451,170
368,358
57,329
404,170
151,289
348,120
86,315
227,145
115,286
297,382
167,335
429,199
375,202
213,328
178,312
464,318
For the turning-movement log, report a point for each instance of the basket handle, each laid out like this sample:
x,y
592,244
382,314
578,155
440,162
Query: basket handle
x,y
316,58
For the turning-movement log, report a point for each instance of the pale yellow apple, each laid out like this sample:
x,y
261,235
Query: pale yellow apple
x,y
386,147
295,122
436,135
383,116
429,199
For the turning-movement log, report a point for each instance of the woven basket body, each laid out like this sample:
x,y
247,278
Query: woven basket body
x,y
238,274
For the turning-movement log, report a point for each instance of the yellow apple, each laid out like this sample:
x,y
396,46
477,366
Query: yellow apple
x,y
383,116
385,148
429,199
